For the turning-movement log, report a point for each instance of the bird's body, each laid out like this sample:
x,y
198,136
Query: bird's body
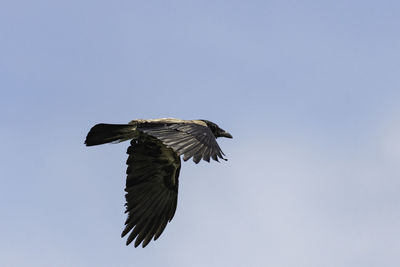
x,y
154,164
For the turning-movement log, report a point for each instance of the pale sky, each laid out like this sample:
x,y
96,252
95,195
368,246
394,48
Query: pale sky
x,y
310,91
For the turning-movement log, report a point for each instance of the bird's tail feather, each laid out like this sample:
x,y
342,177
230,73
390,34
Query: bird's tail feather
x,y
106,133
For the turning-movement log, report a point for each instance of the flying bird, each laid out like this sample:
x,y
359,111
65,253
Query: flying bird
x,y
154,164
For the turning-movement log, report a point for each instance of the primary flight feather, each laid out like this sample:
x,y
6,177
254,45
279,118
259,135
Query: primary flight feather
x,y
154,164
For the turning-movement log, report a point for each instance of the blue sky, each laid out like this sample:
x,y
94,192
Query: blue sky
x,y
309,90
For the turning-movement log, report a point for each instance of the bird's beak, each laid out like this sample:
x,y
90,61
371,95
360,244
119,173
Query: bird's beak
x,y
225,134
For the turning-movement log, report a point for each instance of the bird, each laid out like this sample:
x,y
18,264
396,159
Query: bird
x,y
154,162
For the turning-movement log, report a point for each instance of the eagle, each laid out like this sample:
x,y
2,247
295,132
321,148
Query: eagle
x,y
154,162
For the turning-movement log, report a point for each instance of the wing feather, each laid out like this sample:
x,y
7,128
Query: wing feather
x,y
186,139
151,189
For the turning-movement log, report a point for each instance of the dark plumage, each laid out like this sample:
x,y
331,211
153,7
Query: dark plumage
x,y
154,164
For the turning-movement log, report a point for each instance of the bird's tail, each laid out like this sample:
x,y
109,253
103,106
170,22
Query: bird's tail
x,y
106,133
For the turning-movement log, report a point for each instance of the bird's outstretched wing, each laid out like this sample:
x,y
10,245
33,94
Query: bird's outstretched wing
x,y
187,139
152,189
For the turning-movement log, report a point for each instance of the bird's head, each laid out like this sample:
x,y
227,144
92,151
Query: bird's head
x,y
218,132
